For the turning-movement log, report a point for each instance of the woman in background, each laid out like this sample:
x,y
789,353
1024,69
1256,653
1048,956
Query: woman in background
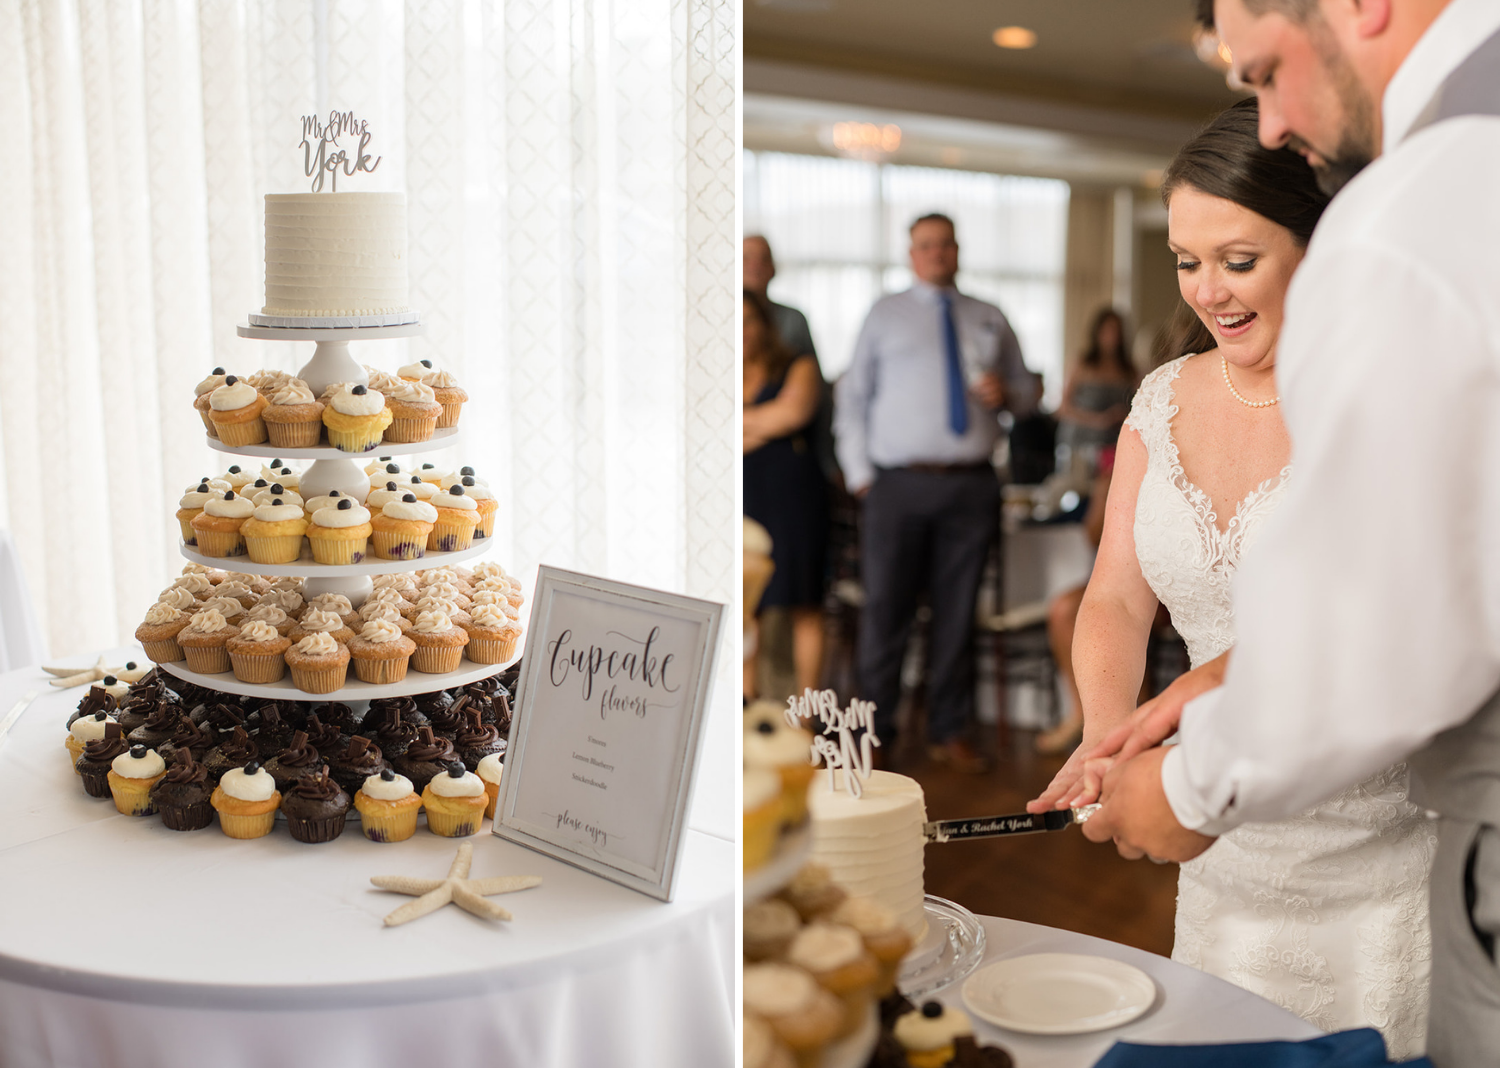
x,y
784,486
1096,396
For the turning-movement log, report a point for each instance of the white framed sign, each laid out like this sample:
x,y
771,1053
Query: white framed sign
x,y
607,726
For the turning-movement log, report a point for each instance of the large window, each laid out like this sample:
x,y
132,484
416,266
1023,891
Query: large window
x,y
839,231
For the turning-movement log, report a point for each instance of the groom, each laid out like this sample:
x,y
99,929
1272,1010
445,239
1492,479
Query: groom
x,y
1369,612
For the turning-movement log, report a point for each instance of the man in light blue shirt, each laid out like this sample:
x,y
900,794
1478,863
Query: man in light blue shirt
x,y
915,424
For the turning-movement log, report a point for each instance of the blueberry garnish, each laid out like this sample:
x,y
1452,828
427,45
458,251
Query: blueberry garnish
x,y
252,767
235,469
275,464
416,479
277,502
218,370
765,728
455,491
345,504
467,480
466,470
138,752
429,467
387,775
110,680
932,1009
456,770
231,380
229,495
359,391
409,498
426,363
99,717
260,483
277,487
130,665
392,469
334,493
391,486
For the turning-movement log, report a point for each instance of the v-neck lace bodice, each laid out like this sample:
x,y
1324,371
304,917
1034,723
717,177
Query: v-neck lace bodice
x,y
1184,555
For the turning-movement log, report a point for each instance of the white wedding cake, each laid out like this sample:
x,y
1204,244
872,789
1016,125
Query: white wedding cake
x,y
872,845
335,254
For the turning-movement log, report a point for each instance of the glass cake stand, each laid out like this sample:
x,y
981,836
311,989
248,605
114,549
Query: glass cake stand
x,y
950,951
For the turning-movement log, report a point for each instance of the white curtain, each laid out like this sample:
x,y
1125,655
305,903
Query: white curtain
x,y
569,167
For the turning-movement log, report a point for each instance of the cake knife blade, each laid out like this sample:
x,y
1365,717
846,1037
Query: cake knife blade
x,y
999,826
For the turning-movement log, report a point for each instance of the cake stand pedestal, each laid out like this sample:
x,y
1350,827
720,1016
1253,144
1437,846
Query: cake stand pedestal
x,y
331,361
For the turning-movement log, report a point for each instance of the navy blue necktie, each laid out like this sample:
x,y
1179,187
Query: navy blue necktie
x,y
958,401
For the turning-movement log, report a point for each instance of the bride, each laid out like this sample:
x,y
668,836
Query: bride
x,y
1324,914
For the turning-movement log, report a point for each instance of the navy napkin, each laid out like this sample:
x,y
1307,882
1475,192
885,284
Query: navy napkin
x,y
1362,1048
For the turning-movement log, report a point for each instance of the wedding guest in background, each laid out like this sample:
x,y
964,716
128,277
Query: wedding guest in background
x,y
759,269
784,488
915,425
1096,395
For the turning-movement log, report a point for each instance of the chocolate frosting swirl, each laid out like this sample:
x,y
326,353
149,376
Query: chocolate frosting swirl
x,y
299,754
96,700
323,736
270,718
436,701
362,753
336,713
189,735
239,747
428,746
476,734
451,717
162,718
396,730
386,709
489,685
317,787
224,717
184,769
104,750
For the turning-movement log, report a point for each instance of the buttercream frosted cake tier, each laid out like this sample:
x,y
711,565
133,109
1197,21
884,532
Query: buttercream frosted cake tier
x,y
872,845
335,254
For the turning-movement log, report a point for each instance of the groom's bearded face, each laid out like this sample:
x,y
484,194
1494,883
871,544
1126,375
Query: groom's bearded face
x,y
1310,98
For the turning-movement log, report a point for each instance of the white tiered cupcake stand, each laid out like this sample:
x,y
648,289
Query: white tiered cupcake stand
x,y
334,469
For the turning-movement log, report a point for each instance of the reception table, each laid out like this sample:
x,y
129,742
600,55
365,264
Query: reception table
x,y
125,944
1190,1007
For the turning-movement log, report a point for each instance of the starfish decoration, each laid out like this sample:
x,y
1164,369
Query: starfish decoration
x,y
468,894
67,676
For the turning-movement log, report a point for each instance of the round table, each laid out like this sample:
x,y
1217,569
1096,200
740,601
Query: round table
x,y
1191,1006
128,944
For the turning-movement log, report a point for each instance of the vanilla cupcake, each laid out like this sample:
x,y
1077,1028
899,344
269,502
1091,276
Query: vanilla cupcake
x,y
190,507
218,527
449,394
158,632
339,605
457,516
322,621
491,770
387,807
294,417
761,802
246,800
401,529
769,927
486,501
204,642
759,1047
773,744
228,607
884,936
803,1015
318,663
440,644
414,412
382,493
424,490
381,652
201,393
131,776
277,492
388,607
236,590
236,408
414,371
455,802
340,534
274,614
195,582
492,635
82,731
256,654
836,957
237,477
356,418
928,1037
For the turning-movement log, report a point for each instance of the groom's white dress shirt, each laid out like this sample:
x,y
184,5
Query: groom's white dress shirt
x,y
1368,613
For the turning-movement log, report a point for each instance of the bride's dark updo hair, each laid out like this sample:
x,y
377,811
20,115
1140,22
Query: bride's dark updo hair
x,y
1226,160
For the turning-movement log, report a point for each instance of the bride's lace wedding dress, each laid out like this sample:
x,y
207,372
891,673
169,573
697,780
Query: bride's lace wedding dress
x,y
1324,914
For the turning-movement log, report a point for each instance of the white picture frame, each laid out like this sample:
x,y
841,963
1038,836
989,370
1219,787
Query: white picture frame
x,y
607,726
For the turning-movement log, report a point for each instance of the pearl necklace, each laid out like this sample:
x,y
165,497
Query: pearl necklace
x,y
1224,363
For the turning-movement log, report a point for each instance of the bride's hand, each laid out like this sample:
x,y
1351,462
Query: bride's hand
x,y
1065,782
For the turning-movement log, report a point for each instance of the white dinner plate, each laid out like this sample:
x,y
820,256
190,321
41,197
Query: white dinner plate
x,y
1059,993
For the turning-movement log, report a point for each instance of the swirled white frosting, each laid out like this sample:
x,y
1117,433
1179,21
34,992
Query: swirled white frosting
x,y
149,766
776,989
380,631
293,392
384,595
918,1032
242,787
421,511
429,603
440,379
490,769
822,947
348,402
424,491
228,607
266,612
89,729
459,502
317,643
289,498
376,787
312,504
237,478
258,630
233,587
194,583
195,498
283,597
332,602
336,517
209,621
209,384
320,619
372,610
445,590
229,398
487,615
434,622
467,785
177,597
236,508
488,569
379,498
379,464
415,370
410,392
381,380
479,491
277,513
163,613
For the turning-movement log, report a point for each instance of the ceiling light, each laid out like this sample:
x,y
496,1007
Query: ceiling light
x,y
864,140
1014,37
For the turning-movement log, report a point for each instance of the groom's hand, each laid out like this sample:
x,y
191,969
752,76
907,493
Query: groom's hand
x,y
1137,817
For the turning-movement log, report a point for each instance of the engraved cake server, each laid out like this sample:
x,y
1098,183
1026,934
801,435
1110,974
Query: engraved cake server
x,y
996,826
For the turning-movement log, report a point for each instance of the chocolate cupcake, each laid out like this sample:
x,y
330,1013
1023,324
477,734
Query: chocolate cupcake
x,y
235,751
181,796
336,713
96,700
325,737
427,756
190,694
477,740
93,764
222,718
360,759
395,735
272,732
191,736
449,720
430,703
511,675
297,761
158,727
502,714
138,709
315,808
384,710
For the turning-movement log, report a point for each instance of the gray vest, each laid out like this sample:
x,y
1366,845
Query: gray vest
x,y
1459,772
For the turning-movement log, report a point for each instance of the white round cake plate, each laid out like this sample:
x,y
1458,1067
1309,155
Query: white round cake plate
x,y
307,567
854,1051
951,949
794,849
353,690
330,333
360,326
441,439
1059,993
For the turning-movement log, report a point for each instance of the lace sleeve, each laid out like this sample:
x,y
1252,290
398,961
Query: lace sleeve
x,y
1151,411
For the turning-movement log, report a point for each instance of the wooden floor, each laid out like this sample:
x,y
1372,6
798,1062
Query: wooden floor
x,y
1060,879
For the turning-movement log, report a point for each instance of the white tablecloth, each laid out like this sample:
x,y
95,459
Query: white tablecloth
x,y
21,643
125,944
1191,1006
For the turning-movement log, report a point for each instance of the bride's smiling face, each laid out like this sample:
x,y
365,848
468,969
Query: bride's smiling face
x,y
1233,267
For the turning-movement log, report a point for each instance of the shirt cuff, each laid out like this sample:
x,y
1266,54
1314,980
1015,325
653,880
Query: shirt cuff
x,y
1186,803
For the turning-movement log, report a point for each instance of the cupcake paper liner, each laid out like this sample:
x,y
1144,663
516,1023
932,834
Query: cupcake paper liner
x,y
325,829
389,546
281,549
166,651
132,796
490,650
187,817
381,671
261,669
454,824
434,660
220,543
189,535
405,431
250,432
450,415
450,537
95,779
338,550
207,660
392,825
319,679
307,435
257,826
353,440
